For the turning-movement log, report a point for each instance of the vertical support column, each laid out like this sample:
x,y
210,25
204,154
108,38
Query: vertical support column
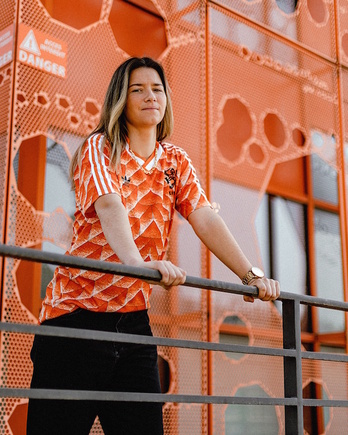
x,y
293,367
208,163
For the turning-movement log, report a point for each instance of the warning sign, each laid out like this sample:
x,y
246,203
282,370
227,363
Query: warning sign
x,y
41,51
6,46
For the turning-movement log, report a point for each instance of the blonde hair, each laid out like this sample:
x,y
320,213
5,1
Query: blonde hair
x,y
112,121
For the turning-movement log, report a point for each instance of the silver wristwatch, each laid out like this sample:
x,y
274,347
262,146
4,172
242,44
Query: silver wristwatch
x,y
253,273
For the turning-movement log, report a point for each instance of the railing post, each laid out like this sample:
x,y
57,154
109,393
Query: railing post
x,y
293,367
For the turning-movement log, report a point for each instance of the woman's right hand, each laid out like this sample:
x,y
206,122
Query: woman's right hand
x,y
117,231
172,275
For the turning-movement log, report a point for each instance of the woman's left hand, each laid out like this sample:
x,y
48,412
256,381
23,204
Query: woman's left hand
x,y
269,289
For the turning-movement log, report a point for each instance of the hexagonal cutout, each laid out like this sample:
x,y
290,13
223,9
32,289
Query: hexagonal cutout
x,y
138,27
274,130
299,137
236,129
74,119
41,168
77,13
344,43
233,330
287,6
314,416
91,107
22,99
18,419
318,10
63,102
251,419
42,99
165,373
256,153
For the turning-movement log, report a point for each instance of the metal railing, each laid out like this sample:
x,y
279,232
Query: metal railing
x,y
291,353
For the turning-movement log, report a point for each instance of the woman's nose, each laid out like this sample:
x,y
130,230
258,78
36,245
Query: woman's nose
x,y
150,95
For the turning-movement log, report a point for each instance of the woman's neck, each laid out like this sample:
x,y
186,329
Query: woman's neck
x,y
142,143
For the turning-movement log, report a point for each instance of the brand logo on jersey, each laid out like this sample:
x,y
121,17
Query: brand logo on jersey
x,y
170,177
126,180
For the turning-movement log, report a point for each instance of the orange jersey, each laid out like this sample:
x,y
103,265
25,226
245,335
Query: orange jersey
x,y
151,191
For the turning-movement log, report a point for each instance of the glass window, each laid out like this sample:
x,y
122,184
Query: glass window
x,y
324,179
236,32
289,254
280,226
263,234
323,164
328,262
58,192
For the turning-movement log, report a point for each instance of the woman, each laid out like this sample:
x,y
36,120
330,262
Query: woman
x,y
128,182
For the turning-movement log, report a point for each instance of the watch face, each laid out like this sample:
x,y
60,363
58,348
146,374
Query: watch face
x,y
257,272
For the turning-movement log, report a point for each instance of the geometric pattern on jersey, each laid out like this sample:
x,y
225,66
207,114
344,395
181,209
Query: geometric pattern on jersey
x,y
151,191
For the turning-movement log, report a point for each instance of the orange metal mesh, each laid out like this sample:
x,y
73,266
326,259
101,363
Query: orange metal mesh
x,y
242,83
6,76
311,23
7,17
64,111
265,96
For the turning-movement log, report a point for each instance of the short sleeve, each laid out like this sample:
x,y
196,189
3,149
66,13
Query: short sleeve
x,y
190,194
93,176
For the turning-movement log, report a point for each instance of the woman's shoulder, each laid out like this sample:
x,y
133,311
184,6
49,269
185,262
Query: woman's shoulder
x,y
170,148
97,141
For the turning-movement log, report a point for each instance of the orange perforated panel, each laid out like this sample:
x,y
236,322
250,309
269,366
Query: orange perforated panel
x,y
311,23
55,107
6,78
267,97
251,81
7,17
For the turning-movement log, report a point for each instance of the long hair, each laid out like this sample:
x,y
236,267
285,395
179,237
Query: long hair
x,y
112,121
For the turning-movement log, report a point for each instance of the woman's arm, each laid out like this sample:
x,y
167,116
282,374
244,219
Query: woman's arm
x,y
117,231
216,236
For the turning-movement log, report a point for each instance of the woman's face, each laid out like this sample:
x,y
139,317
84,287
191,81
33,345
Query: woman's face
x,y
146,99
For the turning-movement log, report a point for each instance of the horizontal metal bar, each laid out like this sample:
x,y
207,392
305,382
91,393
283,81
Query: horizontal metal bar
x,y
330,403
39,256
41,393
140,397
108,396
85,334
314,301
323,356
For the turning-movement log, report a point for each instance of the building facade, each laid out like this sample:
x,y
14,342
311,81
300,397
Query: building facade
x,y
259,90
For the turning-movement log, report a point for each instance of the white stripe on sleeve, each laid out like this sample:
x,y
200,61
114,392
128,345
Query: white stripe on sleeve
x,y
99,168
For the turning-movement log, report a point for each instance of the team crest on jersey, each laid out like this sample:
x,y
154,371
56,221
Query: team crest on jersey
x,y
170,177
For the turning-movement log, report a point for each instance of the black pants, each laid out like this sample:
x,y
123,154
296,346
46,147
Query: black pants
x,y
63,363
